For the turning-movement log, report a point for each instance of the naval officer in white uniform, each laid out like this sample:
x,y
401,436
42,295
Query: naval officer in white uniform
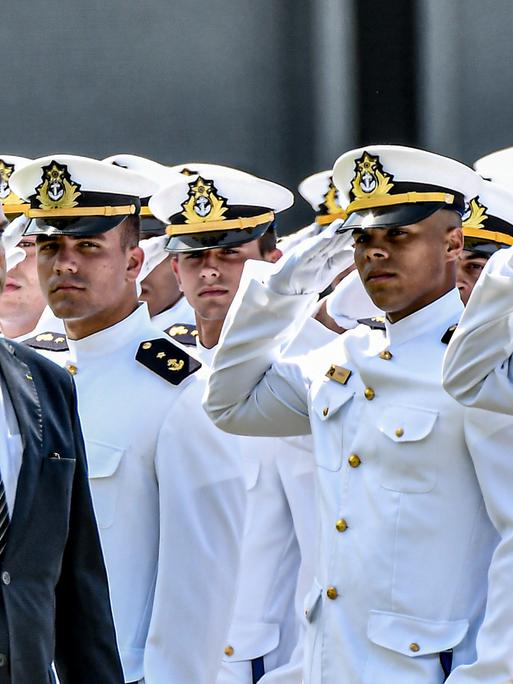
x,y
170,512
217,222
415,572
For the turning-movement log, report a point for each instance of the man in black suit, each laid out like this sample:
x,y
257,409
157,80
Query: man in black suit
x,y
54,599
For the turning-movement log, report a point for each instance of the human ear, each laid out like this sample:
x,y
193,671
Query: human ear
x,y
176,271
454,243
134,263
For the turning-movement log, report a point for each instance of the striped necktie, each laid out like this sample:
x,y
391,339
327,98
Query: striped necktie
x,y
4,517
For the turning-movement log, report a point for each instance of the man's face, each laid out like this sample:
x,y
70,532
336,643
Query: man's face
x,y
468,270
210,279
22,292
160,288
84,277
408,267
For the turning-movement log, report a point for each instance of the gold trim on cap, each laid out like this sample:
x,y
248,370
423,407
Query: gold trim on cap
x,y
325,219
83,211
145,211
492,235
212,226
401,198
16,208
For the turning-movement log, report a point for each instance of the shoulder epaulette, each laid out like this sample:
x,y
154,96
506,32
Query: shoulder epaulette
x,y
49,341
167,360
183,333
446,337
375,323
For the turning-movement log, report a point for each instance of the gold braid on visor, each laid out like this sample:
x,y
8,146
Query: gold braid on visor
x,y
325,219
492,235
402,198
212,226
83,211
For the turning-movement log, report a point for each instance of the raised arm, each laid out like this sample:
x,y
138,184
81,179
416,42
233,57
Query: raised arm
x,y
477,367
251,389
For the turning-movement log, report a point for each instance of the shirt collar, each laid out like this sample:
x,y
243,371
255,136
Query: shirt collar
x,y
115,337
437,315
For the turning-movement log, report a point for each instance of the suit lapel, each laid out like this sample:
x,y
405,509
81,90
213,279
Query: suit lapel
x,y
25,400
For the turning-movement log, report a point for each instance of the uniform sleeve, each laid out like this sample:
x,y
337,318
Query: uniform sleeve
x,y
297,474
251,391
489,437
84,630
202,499
477,367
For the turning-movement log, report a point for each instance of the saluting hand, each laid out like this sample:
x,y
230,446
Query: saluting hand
x,y
311,265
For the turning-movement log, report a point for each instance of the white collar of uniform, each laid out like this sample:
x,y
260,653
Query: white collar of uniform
x,y
117,336
430,318
205,355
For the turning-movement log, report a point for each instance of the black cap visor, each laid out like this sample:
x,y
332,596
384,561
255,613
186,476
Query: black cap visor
x,y
199,242
396,215
78,227
481,248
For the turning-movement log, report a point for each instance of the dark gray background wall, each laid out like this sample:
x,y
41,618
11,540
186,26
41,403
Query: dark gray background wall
x,y
276,87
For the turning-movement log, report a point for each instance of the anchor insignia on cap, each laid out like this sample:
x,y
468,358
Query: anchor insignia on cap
x,y
5,173
370,178
476,215
203,203
57,190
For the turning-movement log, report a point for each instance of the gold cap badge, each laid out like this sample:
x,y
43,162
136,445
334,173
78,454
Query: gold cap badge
x,y
370,179
476,215
5,173
203,203
330,202
57,190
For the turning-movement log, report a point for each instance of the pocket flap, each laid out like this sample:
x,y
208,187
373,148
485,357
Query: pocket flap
x,y
330,397
312,600
406,423
102,459
413,636
251,640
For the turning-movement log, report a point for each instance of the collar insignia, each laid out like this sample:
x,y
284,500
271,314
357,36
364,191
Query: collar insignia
x,y
338,374
476,215
370,179
57,190
5,173
203,203
330,203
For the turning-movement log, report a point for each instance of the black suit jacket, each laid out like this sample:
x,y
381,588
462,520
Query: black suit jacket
x,y
54,599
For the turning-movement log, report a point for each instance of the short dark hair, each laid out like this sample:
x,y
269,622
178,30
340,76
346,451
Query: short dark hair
x,y
267,241
129,233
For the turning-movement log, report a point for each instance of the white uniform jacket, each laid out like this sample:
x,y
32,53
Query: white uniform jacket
x,y
276,560
478,368
181,312
415,492
169,503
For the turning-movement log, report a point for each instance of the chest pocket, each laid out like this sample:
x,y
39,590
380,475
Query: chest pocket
x,y
327,409
103,462
408,456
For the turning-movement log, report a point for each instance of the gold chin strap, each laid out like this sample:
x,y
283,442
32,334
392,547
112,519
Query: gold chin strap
x,y
213,226
403,198
490,235
83,211
145,211
325,219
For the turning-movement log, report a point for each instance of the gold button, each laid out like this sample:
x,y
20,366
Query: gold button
x,y
399,432
72,369
228,650
325,411
331,593
341,525
386,355
369,393
147,345
354,460
414,647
